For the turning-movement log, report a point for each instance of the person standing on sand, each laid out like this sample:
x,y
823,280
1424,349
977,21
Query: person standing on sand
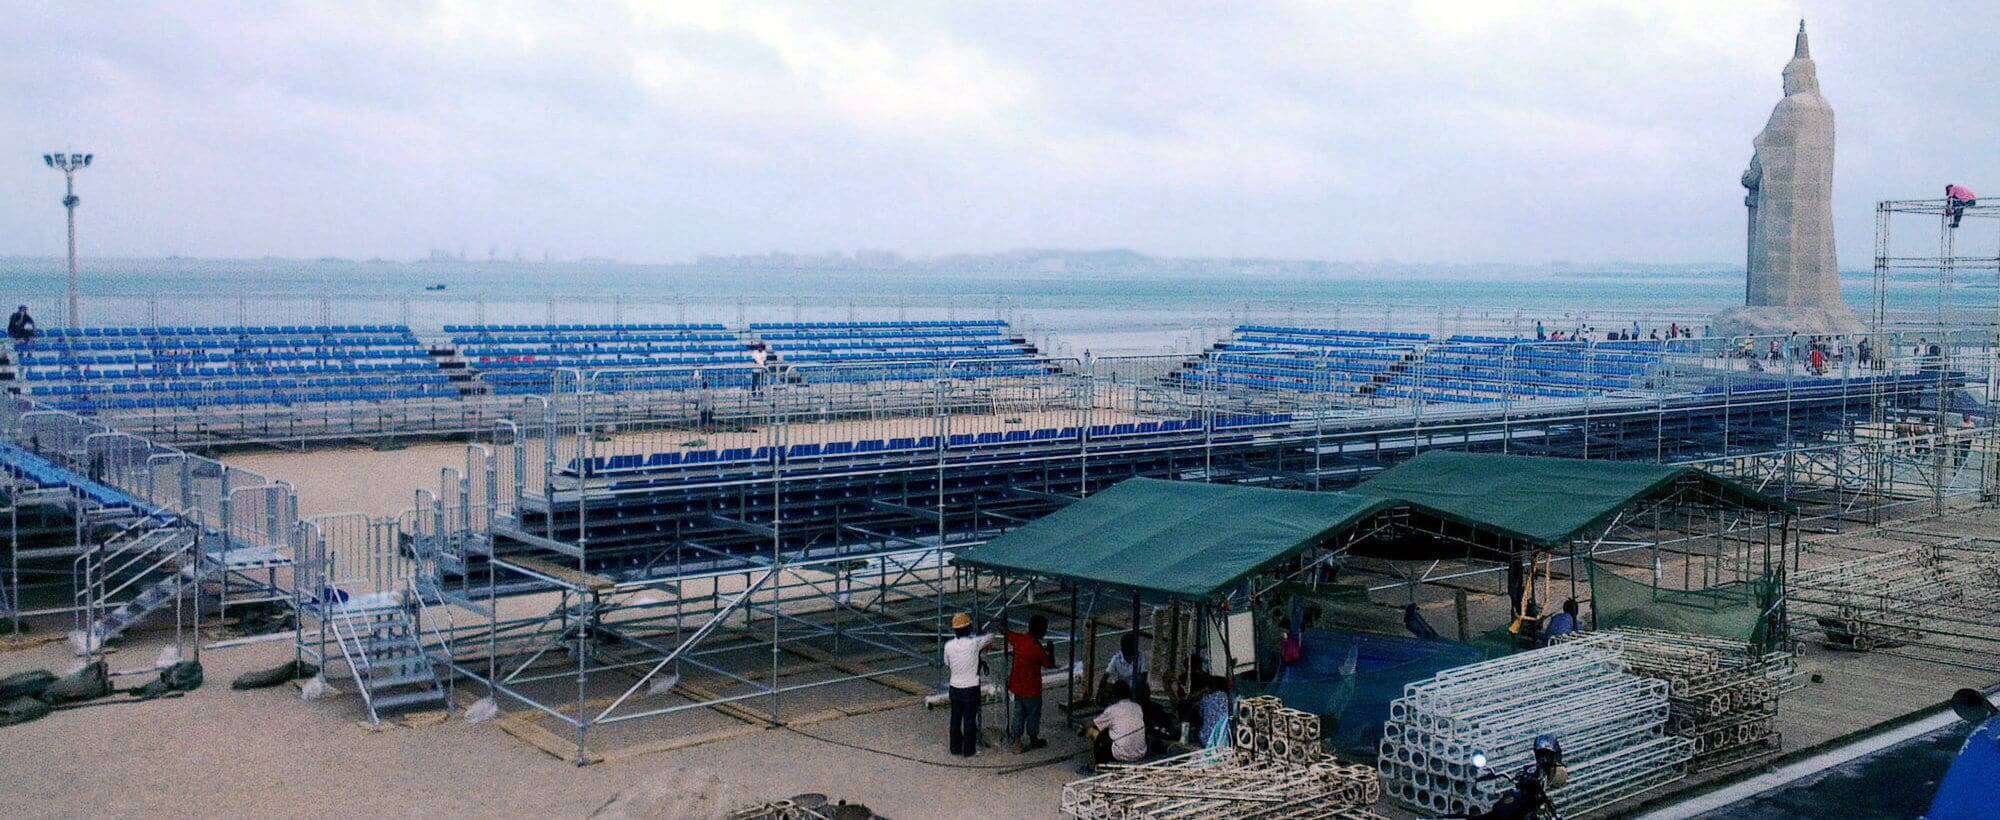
x,y
961,658
1032,654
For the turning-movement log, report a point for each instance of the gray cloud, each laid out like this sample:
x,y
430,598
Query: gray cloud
x,y
651,131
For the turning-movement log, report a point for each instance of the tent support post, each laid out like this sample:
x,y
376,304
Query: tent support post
x,y
1458,602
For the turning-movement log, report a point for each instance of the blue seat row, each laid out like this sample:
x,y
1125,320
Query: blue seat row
x,y
862,333
231,330
640,463
1333,333
977,323
531,342
195,400
81,363
191,371
210,385
526,384
566,328
899,355
920,372
61,347
551,362
44,473
1280,342
738,351
872,343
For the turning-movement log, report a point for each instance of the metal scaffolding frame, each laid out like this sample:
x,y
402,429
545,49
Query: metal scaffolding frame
x,y
589,588
649,577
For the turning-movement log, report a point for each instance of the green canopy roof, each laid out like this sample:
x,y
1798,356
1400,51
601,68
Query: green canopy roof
x,y
1544,501
1179,539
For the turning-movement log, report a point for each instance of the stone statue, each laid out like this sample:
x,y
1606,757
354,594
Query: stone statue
x,y
1792,280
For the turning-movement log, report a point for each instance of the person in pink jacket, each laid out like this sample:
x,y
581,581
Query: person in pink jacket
x,y
1957,198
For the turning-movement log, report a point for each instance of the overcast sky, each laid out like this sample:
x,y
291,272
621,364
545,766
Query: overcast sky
x,y
1436,131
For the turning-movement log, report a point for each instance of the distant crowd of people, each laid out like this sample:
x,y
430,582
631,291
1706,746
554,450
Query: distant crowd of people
x,y
1584,333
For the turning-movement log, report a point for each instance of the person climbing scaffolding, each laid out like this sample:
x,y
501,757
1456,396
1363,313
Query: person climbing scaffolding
x,y
1957,198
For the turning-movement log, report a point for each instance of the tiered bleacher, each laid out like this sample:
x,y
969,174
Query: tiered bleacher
x,y
520,359
41,472
1494,368
1461,369
878,351
133,368
1224,428
1352,362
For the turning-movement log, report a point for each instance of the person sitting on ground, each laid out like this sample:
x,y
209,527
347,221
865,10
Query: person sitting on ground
x,y
1561,623
1128,666
1530,634
1118,732
1957,199
1032,654
1213,709
961,657
21,326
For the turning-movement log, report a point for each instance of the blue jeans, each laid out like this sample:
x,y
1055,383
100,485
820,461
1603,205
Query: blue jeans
x,y
964,720
1026,722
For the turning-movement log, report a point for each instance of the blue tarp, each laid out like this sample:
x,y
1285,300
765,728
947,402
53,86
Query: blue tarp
x,y
1356,704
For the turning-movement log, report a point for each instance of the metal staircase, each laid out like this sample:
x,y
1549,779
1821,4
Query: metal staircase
x,y
381,645
134,557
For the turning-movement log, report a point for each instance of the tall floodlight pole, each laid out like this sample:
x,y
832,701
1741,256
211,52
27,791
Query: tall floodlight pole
x,y
69,164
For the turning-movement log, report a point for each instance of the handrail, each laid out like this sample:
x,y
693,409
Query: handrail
x,y
342,617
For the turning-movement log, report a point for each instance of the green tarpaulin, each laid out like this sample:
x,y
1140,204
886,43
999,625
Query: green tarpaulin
x,y
1544,501
1180,539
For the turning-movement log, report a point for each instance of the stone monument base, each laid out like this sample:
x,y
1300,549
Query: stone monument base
x,y
1779,320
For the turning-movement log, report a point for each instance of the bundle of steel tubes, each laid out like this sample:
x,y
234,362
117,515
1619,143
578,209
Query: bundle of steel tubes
x,y
1896,598
1277,768
1723,693
1610,722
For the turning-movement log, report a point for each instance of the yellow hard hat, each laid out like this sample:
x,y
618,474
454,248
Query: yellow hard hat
x,y
961,620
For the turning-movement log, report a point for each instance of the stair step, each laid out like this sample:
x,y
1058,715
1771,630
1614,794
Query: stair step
x,y
407,699
379,683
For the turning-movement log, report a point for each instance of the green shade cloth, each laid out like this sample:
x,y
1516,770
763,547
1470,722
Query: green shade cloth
x,y
1543,501
1179,539
1740,611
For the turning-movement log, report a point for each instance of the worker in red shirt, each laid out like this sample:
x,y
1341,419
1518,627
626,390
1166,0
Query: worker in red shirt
x,y
1957,198
1032,653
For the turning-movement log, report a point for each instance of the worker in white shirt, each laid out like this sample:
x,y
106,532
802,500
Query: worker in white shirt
x,y
1128,665
1120,729
961,658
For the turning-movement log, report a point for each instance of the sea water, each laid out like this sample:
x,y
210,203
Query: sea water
x,y
1068,312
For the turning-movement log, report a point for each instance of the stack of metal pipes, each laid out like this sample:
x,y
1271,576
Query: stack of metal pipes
x,y
1896,597
1724,694
1277,768
1610,722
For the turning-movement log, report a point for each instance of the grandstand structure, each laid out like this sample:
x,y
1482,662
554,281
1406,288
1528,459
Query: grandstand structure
x,y
663,519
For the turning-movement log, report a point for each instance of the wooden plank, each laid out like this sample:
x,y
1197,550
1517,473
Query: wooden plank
x,y
820,716
567,575
683,742
697,692
537,736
